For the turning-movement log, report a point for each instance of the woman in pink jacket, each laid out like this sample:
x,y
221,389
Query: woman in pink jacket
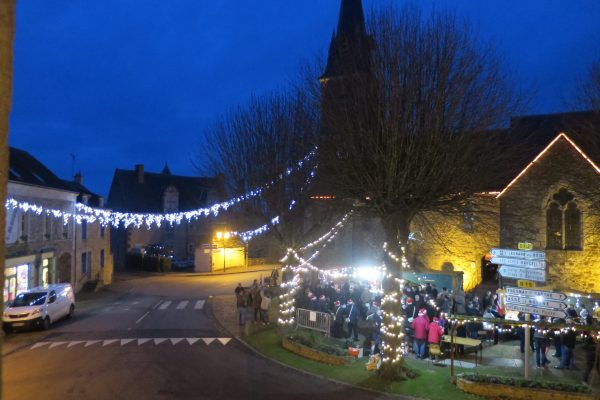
x,y
435,333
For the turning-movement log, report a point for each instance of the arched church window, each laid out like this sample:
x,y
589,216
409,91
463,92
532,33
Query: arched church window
x,y
171,199
572,227
554,226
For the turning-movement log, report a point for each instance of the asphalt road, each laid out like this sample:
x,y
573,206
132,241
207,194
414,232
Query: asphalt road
x,y
151,337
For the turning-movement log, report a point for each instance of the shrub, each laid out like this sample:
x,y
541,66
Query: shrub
x,y
558,386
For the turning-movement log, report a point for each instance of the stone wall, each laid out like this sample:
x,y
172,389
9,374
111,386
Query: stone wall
x,y
523,210
456,241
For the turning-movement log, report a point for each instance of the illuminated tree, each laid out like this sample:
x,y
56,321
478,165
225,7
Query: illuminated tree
x,y
410,135
7,34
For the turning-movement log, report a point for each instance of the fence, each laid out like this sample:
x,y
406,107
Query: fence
x,y
315,320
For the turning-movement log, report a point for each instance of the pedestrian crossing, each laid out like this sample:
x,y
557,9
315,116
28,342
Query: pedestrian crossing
x,y
131,342
163,305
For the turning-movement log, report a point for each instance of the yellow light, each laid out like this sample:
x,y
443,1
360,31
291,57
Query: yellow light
x,y
219,235
226,235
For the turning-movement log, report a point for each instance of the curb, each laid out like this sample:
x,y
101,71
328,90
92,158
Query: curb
x,y
335,381
226,273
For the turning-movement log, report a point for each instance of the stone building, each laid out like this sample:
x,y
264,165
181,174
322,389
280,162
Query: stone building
x,y
148,192
42,249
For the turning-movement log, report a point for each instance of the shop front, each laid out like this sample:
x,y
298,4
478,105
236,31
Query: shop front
x,y
23,273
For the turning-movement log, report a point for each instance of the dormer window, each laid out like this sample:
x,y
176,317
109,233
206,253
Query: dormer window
x,y
171,199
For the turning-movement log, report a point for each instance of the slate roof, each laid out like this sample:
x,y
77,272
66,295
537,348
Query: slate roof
x,y
24,168
127,195
350,44
529,135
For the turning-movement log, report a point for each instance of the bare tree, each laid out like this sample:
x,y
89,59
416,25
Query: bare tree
x,y
254,144
412,134
7,34
588,91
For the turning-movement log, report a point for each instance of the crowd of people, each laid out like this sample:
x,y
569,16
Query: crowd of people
x,y
258,297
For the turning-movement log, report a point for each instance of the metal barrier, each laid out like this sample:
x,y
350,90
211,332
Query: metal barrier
x,y
315,320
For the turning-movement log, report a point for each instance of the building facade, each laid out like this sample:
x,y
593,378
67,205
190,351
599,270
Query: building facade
x,y
147,192
42,249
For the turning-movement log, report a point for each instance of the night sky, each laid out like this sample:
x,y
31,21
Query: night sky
x,y
124,82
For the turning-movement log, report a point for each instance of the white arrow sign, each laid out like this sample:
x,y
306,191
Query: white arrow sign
x,y
536,310
519,262
529,274
528,255
534,302
535,293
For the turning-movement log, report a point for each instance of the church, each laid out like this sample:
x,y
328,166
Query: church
x,y
547,197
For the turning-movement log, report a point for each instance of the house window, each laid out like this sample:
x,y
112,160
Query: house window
x,y
47,227
84,263
468,218
102,258
102,228
84,229
23,227
65,229
563,222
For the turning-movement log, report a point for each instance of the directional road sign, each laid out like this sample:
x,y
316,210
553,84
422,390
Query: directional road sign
x,y
519,262
528,255
534,302
530,274
513,291
548,312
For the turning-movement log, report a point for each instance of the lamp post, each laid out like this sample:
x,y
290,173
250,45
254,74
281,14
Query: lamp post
x,y
223,235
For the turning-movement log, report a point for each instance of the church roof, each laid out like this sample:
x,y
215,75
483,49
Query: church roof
x,y
127,194
350,44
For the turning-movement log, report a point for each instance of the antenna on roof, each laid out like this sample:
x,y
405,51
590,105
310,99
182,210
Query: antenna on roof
x,y
72,164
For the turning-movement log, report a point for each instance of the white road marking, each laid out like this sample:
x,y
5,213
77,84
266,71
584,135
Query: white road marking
x,y
164,305
156,305
199,305
142,317
182,304
123,342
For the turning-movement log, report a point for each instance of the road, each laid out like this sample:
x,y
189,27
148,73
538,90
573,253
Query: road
x,y
152,337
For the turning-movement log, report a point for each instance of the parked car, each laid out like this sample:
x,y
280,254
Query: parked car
x,y
39,307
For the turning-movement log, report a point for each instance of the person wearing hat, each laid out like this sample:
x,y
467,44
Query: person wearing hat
x,y
420,326
435,333
352,320
338,320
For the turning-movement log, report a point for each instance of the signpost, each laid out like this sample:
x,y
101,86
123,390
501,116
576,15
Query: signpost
x,y
535,293
528,255
525,284
530,274
519,262
525,246
547,312
534,302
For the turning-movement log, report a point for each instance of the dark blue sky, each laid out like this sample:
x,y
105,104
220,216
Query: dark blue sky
x,y
122,82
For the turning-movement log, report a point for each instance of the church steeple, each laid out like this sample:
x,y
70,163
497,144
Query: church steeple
x,y
350,44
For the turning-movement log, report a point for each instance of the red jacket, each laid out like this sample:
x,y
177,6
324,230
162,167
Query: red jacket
x,y
419,325
435,333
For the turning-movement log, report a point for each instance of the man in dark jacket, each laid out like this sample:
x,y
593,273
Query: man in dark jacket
x,y
568,341
590,349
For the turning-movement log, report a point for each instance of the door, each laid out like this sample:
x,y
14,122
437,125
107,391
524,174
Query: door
x,y
53,308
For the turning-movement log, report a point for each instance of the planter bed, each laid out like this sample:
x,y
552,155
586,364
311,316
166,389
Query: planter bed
x,y
310,353
486,387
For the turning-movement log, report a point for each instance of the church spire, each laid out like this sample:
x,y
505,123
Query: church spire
x,y
349,48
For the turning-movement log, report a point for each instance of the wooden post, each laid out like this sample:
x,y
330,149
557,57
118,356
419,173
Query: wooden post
x,y
452,350
527,359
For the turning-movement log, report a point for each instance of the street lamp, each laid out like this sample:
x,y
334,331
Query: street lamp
x,y
223,235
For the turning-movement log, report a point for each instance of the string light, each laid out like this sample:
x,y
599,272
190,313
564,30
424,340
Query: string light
x,y
116,218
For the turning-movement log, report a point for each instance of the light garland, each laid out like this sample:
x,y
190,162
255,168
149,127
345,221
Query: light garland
x,y
105,217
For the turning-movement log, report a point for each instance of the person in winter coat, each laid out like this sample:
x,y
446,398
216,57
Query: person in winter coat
x,y
420,327
459,303
265,304
568,340
352,319
338,320
256,300
435,333
590,349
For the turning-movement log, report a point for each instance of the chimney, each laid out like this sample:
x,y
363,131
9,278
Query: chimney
x,y
78,178
139,171
101,202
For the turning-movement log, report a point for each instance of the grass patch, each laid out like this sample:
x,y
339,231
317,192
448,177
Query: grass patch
x,y
432,382
502,380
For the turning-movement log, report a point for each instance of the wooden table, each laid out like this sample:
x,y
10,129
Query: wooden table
x,y
476,343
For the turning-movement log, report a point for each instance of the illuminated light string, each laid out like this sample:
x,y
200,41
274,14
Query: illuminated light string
x,y
105,217
561,135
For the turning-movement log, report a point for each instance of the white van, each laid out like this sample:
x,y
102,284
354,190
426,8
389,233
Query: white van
x,y
39,307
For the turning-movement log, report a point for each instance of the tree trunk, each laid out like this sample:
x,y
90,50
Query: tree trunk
x,y
392,327
7,34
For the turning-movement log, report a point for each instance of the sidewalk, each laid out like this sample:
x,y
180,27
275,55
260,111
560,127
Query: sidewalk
x,y
225,312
